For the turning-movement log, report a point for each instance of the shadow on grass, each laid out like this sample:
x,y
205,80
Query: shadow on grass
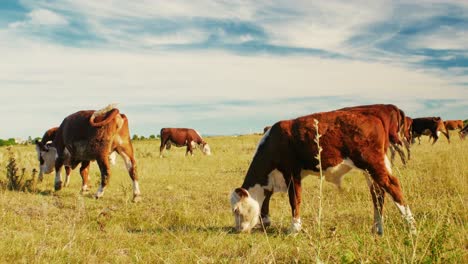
x,y
230,230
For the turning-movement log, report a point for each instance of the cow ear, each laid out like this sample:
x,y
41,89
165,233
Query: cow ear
x,y
40,145
242,192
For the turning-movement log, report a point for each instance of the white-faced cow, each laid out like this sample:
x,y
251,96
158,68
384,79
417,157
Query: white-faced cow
x,y
47,155
183,137
287,153
93,135
430,126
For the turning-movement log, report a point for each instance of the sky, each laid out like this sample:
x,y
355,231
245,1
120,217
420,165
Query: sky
x,y
227,67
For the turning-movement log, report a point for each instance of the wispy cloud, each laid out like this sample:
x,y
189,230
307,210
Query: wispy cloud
x,y
204,60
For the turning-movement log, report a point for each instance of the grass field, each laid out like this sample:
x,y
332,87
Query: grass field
x,y
185,216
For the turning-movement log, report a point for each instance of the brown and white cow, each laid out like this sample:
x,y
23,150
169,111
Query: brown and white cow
x,y
430,126
454,125
287,153
47,155
393,120
93,135
183,137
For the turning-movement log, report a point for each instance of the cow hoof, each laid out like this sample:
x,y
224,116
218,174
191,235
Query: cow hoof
x,y
296,226
136,199
58,186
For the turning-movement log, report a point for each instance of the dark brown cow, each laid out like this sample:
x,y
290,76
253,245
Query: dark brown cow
x,y
47,155
454,125
430,126
464,131
393,120
265,129
183,137
92,135
287,153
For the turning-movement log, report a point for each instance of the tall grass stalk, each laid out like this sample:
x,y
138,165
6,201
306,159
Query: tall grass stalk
x,y
319,218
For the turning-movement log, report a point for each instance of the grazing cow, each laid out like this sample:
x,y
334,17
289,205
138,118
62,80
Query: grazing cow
x,y
393,120
93,135
47,155
454,125
265,129
464,131
431,126
183,137
287,153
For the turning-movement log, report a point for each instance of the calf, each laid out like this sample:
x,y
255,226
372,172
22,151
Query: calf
x,y
287,153
47,155
183,137
93,135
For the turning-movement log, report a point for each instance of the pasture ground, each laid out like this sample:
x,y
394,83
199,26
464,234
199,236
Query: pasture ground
x,y
185,217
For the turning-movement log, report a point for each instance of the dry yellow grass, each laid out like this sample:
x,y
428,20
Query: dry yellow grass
x,y
185,213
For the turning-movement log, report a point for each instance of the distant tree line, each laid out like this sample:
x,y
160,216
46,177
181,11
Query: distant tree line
x,y
137,137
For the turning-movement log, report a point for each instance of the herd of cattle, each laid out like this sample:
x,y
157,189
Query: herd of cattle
x,y
353,137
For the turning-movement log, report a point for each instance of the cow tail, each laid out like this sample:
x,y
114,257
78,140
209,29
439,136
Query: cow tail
x,y
110,111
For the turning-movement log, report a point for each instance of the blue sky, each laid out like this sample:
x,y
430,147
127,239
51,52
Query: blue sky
x,y
227,67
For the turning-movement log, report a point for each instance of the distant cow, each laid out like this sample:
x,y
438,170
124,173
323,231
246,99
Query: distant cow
x,y
265,129
454,125
47,155
92,135
393,120
287,153
183,137
431,126
464,132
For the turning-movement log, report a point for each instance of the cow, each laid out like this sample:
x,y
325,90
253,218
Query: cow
x,y
287,153
265,129
454,125
90,135
47,155
431,126
464,131
183,137
393,120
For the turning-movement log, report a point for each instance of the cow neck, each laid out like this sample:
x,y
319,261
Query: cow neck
x,y
259,169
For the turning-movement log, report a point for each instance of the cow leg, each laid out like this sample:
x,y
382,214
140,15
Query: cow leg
x,y
189,149
67,175
58,176
407,146
400,152
294,192
161,148
84,172
380,172
103,163
378,200
265,212
130,163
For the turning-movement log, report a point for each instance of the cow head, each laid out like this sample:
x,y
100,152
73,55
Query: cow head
x,y
205,148
46,154
441,127
246,210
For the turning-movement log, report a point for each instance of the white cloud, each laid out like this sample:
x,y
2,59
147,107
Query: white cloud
x,y
40,17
